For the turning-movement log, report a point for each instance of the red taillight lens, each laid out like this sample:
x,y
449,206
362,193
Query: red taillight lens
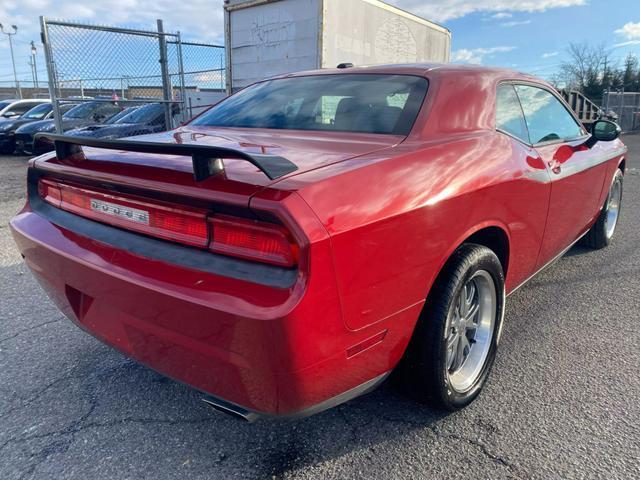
x,y
184,225
253,240
50,192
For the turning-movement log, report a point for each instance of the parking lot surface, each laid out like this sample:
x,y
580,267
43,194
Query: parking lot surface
x,y
562,402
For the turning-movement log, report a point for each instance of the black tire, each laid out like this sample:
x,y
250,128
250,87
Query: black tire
x,y
423,372
599,236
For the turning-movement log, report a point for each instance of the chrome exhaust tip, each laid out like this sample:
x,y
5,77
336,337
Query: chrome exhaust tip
x,y
231,409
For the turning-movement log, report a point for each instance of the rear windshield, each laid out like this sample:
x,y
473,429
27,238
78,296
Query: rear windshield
x,y
362,103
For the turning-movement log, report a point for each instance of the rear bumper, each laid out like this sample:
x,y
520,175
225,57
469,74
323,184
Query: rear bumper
x,y
264,349
26,144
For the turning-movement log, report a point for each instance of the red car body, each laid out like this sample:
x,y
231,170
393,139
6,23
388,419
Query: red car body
x,y
375,218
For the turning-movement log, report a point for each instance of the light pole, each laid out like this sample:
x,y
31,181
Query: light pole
x,y
35,65
13,61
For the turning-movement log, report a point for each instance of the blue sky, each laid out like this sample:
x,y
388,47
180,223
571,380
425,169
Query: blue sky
x,y
527,35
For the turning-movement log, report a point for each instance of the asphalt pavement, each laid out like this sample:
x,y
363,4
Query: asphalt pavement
x,y
563,400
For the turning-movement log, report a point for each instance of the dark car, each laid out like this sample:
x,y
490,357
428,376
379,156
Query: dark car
x,y
9,126
80,115
139,121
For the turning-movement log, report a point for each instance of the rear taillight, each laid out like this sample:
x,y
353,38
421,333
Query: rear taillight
x,y
247,239
184,225
253,240
50,192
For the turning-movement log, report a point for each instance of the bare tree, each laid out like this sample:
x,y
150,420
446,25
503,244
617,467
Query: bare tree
x,y
587,68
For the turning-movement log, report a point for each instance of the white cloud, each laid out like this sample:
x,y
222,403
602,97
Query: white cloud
x,y
502,15
627,44
443,10
630,30
476,55
550,54
515,23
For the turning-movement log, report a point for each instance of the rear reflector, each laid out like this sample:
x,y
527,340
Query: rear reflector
x,y
238,237
253,240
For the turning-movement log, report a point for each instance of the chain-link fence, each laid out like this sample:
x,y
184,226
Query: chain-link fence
x,y
626,106
203,68
146,80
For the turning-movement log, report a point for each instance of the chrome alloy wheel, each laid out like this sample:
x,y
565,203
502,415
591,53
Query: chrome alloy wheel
x,y
613,207
469,331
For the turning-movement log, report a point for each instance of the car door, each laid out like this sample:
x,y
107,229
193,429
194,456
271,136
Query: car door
x,y
577,173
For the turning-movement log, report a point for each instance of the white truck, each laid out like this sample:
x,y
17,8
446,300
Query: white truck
x,y
272,37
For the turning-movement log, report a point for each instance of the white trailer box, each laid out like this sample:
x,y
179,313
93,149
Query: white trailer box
x,y
272,37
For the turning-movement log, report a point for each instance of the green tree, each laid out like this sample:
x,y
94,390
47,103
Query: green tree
x,y
630,75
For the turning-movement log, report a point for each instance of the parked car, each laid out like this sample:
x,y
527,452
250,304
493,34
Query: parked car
x,y
14,108
86,113
293,245
142,120
9,125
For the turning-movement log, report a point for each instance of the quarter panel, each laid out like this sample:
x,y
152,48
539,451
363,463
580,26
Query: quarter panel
x,y
394,222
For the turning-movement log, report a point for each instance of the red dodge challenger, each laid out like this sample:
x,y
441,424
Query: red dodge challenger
x,y
293,245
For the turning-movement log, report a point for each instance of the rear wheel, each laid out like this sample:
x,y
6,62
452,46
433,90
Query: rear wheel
x,y
601,233
454,344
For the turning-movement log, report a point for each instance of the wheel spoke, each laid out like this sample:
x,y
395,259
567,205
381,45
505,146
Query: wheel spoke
x,y
459,356
462,302
473,311
471,292
466,346
452,350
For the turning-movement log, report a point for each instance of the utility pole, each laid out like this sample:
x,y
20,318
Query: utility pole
x,y
13,61
33,78
35,64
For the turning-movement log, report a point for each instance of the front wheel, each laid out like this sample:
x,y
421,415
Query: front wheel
x,y
601,233
454,344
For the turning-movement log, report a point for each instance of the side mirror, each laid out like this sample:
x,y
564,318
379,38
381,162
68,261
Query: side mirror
x,y
603,131
11,115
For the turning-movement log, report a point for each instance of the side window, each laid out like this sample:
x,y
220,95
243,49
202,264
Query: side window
x,y
509,117
547,119
20,108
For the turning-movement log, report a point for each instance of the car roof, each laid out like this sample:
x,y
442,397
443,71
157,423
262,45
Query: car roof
x,y
423,70
25,100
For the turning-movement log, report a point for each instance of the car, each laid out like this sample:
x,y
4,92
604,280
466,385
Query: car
x,y
8,126
140,121
289,248
86,113
13,108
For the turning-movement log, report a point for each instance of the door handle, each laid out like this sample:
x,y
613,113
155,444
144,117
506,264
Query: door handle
x,y
555,166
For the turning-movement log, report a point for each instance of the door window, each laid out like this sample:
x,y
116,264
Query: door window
x,y
546,117
19,109
509,116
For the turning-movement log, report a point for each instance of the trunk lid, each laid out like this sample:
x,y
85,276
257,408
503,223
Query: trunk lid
x,y
308,150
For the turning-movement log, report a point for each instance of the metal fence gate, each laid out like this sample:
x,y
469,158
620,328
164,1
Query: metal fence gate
x,y
114,68
626,105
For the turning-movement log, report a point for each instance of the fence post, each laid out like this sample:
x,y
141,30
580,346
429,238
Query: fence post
x,y
51,73
183,106
166,81
227,42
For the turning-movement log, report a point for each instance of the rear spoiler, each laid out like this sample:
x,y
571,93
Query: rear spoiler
x,y
207,160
